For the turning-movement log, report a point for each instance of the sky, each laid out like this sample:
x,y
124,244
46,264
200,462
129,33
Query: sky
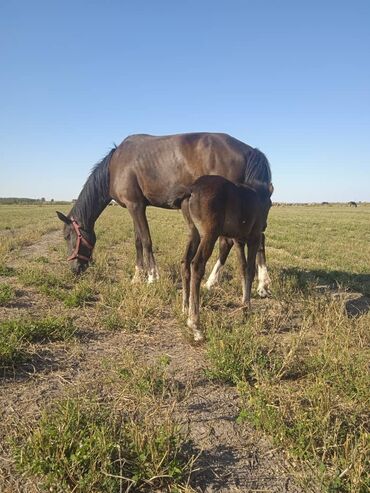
x,y
289,77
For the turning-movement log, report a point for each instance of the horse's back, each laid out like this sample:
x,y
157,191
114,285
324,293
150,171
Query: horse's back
x,y
161,166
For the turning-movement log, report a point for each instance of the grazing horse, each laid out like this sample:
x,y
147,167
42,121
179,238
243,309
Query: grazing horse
x,y
352,204
148,170
216,207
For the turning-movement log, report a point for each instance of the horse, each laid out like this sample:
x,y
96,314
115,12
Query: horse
x,y
156,170
215,207
352,204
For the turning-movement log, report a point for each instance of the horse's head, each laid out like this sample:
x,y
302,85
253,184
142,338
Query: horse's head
x,y
80,243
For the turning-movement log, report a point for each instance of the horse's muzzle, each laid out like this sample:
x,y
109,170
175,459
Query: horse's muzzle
x,y
78,267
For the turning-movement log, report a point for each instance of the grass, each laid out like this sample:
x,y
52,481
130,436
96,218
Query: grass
x,y
6,271
299,360
308,390
127,441
16,336
6,293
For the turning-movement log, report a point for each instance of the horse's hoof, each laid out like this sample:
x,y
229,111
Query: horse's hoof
x,y
263,292
153,276
198,334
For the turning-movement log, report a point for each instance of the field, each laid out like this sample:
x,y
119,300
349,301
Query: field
x,y
103,391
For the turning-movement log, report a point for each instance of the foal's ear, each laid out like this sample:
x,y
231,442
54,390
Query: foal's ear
x,y
271,189
63,218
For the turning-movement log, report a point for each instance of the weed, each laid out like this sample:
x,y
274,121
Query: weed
x,y
80,294
6,294
6,271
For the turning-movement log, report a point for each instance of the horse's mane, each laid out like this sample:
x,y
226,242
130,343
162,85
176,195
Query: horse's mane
x,y
257,167
94,196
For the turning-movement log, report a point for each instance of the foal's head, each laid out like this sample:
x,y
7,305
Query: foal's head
x,y
80,243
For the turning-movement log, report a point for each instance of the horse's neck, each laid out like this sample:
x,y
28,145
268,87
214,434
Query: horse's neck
x,y
88,207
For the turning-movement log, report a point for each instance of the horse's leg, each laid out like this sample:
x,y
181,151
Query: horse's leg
x,y
139,267
242,268
225,245
190,251
198,265
264,280
253,247
137,211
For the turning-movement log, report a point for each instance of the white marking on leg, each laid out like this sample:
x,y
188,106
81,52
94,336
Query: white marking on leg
x,y
153,275
264,281
215,275
197,333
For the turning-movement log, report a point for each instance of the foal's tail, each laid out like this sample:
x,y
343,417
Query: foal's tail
x,y
181,194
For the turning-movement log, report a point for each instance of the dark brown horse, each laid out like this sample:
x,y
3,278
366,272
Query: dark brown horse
x,y
217,207
146,170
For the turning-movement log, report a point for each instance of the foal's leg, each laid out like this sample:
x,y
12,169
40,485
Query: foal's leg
x,y
225,245
264,280
253,246
190,251
137,212
198,265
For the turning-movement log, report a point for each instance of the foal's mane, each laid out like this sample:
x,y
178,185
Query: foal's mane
x,y
94,196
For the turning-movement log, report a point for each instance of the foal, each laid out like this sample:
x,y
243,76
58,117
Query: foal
x,y
217,207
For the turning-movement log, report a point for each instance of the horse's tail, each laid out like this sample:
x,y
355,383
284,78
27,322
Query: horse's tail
x,y
257,167
264,190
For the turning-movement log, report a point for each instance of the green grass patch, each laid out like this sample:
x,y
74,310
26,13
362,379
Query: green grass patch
x,y
62,287
80,294
127,441
16,336
6,271
7,293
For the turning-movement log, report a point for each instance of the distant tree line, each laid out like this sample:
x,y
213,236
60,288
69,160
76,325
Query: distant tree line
x,y
26,201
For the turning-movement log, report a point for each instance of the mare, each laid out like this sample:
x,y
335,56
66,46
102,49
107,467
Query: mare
x,y
156,170
216,207
352,204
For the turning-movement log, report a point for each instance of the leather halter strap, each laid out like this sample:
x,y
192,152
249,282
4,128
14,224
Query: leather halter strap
x,y
80,239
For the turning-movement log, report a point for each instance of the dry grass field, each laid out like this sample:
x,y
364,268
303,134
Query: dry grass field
x,y
102,390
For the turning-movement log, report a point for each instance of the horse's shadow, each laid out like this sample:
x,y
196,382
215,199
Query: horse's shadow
x,y
335,282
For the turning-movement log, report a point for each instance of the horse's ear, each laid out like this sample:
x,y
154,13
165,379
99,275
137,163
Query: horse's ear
x,y
63,218
271,189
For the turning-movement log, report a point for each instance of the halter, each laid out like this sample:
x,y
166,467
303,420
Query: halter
x,y
80,239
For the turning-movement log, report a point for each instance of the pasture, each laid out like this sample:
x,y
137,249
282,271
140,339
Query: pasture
x,y
102,389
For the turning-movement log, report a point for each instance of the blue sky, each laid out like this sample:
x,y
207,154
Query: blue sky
x,y
289,77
